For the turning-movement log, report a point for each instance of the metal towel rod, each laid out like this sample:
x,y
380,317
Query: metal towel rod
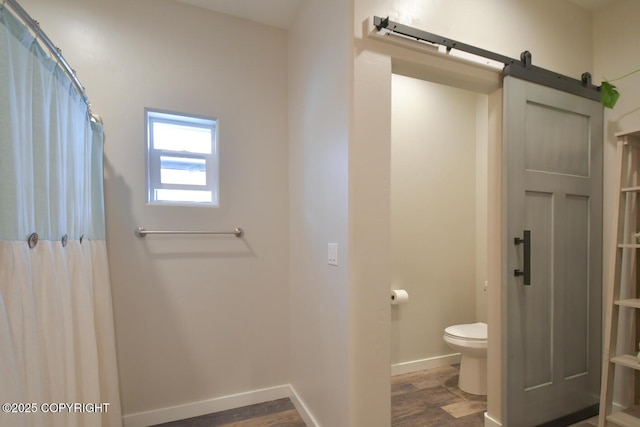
x,y
142,232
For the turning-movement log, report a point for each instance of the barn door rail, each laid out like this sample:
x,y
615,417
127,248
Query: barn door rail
x,y
521,68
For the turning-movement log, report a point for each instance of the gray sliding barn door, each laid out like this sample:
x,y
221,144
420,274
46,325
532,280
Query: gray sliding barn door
x,y
553,190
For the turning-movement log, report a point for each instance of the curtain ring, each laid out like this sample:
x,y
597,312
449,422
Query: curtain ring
x,y
32,240
65,238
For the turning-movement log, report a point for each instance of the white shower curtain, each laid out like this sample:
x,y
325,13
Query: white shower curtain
x,y
57,346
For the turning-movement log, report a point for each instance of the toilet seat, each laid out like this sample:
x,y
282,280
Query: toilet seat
x,y
468,332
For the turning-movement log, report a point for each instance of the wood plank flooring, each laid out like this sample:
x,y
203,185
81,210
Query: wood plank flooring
x,y
279,413
432,398
419,399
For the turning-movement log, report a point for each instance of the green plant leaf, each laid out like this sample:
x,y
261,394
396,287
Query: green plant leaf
x,y
608,94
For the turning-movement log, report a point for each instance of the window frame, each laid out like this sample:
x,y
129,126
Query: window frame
x,y
153,158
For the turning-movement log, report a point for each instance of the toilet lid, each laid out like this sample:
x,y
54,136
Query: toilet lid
x,y
472,331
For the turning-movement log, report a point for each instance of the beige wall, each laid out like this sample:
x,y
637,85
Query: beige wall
x,y
319,63
559,36
434,214
616,53
196,317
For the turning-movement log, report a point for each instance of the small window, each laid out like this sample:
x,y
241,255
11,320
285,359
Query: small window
x,y
182,159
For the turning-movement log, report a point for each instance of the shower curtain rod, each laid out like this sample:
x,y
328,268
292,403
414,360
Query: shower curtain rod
x,y
35,27
521,68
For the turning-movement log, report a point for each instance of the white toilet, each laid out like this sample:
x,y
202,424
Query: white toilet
x,y
471,341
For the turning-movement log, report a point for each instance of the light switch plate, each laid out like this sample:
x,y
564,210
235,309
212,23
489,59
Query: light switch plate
x,y
332,258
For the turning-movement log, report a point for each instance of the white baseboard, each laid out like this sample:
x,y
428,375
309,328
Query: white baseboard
x,y
302,409
423,364
195,409
490,422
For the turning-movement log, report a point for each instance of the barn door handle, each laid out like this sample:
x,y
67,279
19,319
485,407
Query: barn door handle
x,y
526,271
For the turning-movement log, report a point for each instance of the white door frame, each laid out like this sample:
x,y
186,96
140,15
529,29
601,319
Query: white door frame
x,y
463,74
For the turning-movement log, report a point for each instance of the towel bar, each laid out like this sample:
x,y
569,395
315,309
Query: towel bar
x,y
142,232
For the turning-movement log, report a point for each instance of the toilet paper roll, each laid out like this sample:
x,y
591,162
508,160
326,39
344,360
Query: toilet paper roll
x,y
399,296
